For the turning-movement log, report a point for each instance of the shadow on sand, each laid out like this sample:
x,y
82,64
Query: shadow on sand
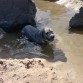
x,y
54,54
76,30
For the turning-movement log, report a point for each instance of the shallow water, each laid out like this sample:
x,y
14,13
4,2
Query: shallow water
x,y
70,42
55,9
68,48
11,46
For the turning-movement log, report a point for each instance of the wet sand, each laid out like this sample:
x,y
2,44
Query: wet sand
x,y
71,42
46,5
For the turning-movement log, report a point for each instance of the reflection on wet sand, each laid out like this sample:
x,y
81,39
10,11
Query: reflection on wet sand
x,y
48,50
53,53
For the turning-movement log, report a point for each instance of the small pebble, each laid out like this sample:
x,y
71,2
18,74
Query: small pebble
x,y
1,62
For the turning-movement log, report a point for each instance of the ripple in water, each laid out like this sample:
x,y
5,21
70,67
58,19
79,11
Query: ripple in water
x,y
13,47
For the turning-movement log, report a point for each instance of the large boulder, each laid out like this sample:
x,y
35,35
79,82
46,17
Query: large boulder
x,y
15,14
77,20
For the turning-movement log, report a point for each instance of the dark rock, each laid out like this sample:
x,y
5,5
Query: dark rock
x,y
1,62
77,20
15,14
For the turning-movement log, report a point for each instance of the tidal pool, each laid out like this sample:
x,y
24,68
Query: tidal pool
x,y
69,47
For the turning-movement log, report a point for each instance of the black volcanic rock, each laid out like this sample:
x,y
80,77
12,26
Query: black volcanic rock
x,y
77,20
15,14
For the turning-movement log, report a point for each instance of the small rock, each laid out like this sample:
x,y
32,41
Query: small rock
x,y
5,67
28,65
27,82
11,64
1,62
51,68
26,76
40,63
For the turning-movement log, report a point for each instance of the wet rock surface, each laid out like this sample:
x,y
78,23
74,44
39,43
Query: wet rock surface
x,y
77,21
15,14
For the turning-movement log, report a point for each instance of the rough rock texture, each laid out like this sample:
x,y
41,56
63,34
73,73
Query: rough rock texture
x,y
77,20
15,14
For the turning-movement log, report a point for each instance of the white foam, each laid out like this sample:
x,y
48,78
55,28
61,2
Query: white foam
x,y
74,4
